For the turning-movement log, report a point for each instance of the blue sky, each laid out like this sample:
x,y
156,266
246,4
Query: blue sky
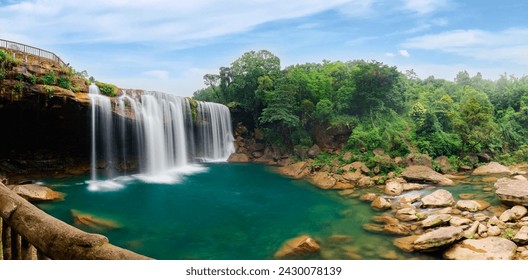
x,y
169,45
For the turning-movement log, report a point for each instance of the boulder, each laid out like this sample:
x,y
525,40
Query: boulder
x,y
520,177
439,198
347,157
357,166
342,186
33,192
398,229
296,170
365,182
483,157
472,230
368,197
458,221
522,236
297,247
412,187
422,173
418,159
323,180
436,220
511,191
393,188
491,168
314,151
494,231
472,205
352,177
513,214
238,157
410,198
489,248
444,164
438,238
380,203
405,243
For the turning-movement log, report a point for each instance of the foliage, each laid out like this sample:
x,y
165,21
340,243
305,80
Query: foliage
x,y
64,82
49,79
19,87
48,90
32,79
107,89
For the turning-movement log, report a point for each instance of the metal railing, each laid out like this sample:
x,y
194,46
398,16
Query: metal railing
x,y
31,51
28,233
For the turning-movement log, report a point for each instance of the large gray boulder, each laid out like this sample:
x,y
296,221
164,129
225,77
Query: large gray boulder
x,y
420,173
437,239
439,198
490,248
491,168
511,191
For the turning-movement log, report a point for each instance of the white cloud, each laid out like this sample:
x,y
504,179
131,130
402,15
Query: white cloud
x,y
424,6
157,74
389,54
404,53
156,21
507,45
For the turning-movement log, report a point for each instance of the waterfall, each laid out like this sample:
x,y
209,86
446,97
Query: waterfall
x,y
159,132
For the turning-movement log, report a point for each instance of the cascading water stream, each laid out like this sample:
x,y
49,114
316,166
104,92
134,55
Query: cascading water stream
x,y
156,131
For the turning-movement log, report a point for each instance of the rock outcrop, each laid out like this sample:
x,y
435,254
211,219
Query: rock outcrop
x,y
35,193
296,170
511,191
491,168
490,248
439,198
297,247
437,239
420,173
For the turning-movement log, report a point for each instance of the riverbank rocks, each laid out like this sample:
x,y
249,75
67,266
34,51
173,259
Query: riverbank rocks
x,y
522,236
296,170
491,168
489,248
444,164
239,157
313,151
438,238
297,247
96,223
418,159
511,191
405,243
323,180
35,193
472,205
393,188
436,220
513,214
422,173
439,198
380,203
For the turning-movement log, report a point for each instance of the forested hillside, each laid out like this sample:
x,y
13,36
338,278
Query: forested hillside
x,y
381,107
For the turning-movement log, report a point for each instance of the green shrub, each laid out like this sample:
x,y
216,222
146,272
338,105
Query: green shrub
x,y
3,74
48,90
64,82
32,79
6,59
19,87
107,89
19,77
49,79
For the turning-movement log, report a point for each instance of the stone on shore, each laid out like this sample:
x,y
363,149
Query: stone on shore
x,y
297,247
323,180
438,238
472,205
239,157
439,198
296,170
491,168
419,173
35,193
380,203
436,220
513,214
489,248
393,188
522,236
512,191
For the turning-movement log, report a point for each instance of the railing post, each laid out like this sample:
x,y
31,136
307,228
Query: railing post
x,y
1,237
6,240
15,245
28,251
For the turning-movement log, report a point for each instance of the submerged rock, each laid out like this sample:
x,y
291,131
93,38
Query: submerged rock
x,y
33,192
491,168
489,248
296,170
512,191
380,203
323,180
436,239
406,244
425,174
99,224
239,157
439,198
297,247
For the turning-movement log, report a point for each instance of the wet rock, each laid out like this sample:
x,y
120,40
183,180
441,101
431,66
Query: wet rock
x,y
489,179
406,215
444,164
439,198
409,198
323,180
348,193
385,220
436,220
412,187
511,191
297,247
33,192
491,168
405,243
472,205
96,223
393,188
425,174
466,196
522,236
368,197
365,182
342,186
296,170
373,228
380,203
513,214
438,238
490,248
398,229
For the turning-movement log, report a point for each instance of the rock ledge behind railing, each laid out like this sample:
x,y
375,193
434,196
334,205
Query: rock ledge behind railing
x,y
29,233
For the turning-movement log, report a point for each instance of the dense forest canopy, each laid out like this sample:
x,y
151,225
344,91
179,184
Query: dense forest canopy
x,y
382,107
